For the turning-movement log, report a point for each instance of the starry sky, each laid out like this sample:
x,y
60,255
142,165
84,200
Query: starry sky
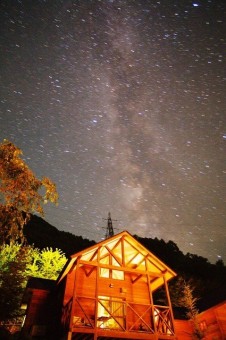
x,y
122,104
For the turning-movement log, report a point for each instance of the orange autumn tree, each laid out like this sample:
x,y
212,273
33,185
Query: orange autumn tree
x,y
21,193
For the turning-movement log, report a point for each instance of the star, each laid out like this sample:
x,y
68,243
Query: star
x,y
122,105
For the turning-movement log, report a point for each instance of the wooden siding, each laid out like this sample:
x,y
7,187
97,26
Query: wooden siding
x,y
37,314
183,329
86,281
69,286
220,313
212,323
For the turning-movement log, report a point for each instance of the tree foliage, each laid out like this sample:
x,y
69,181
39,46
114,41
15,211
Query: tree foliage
x,y
46,263
13,278
189,301
17,264
182,294
20,192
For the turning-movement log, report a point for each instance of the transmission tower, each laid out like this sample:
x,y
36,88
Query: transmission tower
x,y
109,229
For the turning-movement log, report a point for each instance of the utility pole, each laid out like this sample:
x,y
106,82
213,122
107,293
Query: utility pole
x,y
109,229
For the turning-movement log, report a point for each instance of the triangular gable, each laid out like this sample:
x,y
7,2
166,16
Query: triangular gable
x,y
122,251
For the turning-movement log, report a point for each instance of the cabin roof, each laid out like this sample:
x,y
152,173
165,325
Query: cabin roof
x,y
40,283
214,307
127,253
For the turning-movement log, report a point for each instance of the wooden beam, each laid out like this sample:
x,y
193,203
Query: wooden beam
x,y
136,279
132,258
132,245
117,243
73,302
169,302
88,272
143,259
86,315
140,317
113,255
110,313
96,296
125,269
94,254
123,251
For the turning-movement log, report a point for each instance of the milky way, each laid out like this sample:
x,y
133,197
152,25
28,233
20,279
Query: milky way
x,y
122,104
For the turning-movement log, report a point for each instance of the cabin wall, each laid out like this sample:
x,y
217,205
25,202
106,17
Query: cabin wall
x,y
140,292
69,286
60,292
113,288
37,314
220,313
86,286
213,322
85,295
183,329
86,282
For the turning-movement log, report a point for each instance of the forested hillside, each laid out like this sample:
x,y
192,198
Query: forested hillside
x,y
41,234
208,279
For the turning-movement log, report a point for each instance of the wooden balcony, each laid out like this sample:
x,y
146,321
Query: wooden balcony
x,y
113,318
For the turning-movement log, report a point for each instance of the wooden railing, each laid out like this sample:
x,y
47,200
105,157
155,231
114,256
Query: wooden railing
x,y
118,315
66,314
163,320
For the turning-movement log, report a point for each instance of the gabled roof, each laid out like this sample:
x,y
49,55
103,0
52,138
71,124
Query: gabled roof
x,y
126,254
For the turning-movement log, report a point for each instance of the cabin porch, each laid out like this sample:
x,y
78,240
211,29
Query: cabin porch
x,y
117,319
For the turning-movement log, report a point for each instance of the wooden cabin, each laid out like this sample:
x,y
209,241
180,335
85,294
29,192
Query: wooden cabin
x,y
112,290
37,301
211,323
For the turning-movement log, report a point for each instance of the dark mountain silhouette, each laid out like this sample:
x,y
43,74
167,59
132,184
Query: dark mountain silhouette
x,y
41,234
209,279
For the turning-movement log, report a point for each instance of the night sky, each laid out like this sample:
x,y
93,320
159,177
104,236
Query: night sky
x,y
122,104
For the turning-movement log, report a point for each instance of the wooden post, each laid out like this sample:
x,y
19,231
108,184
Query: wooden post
x,y
73,302
151,302
169,302
69,335
96,294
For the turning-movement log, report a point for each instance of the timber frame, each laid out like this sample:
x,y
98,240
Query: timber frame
x,y
110,291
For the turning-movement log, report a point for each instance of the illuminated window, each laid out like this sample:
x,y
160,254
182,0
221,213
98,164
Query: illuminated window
x,y
111,313
118,274
104,272
112,273
203,326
